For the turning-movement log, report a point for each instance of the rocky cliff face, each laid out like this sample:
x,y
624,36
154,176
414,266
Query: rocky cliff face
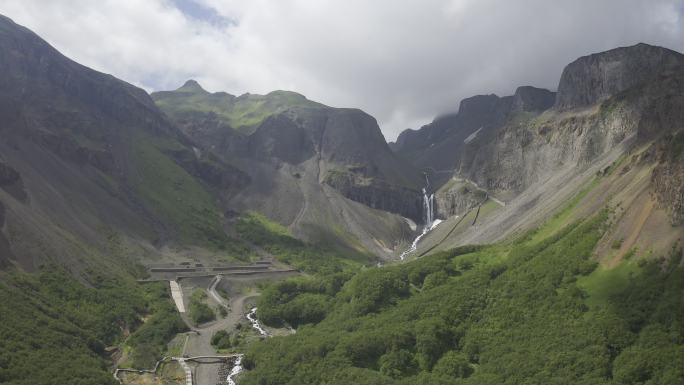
x,y
436,147
668,183
351,154
457,197
532,99
529,146
346,145
606,102
592,79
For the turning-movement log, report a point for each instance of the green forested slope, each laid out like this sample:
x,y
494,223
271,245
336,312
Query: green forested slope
x,y
54,329
503,314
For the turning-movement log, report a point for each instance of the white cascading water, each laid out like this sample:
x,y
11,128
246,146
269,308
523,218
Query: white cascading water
x,y
237,366
251,316
429,215
428,205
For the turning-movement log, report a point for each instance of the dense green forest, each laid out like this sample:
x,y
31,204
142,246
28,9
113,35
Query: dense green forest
x,y
523,312
55,329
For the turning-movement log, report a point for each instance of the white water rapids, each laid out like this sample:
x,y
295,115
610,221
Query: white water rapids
x,y
237,367
429,216
251,316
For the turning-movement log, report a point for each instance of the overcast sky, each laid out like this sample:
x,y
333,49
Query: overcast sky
x,y
402,61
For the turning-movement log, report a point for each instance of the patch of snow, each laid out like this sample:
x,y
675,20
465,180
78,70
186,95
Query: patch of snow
x,y
472,136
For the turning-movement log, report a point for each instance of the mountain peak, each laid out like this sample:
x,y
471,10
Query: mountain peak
x,y
593,78
191,86
528,98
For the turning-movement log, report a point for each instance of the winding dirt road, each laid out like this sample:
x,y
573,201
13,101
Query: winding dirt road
x,y
199,339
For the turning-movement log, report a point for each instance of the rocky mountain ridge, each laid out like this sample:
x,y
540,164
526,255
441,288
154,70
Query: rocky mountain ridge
x,y
304,157
513,153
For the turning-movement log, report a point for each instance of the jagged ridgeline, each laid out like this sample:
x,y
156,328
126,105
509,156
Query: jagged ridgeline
x,y
325,173
612,130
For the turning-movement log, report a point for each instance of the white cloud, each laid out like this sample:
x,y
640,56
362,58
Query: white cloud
x,y
402,61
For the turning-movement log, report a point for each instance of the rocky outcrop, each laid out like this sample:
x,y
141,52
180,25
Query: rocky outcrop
x,y
437,146
377,193
351,153
283,138
593,78
70,149
11,182
532,99
668,177
210,169
457,198
506,144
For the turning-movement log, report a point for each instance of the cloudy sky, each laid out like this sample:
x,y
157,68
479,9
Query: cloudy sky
x,y
402,61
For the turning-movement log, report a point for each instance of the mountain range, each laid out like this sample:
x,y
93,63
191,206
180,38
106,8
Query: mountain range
x,y
99,179
84,151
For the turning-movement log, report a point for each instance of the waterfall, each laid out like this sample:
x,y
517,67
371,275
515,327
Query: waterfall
x,y
429,206
428,215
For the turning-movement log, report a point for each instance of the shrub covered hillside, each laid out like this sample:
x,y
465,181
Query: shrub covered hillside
x,y
55,330
511,313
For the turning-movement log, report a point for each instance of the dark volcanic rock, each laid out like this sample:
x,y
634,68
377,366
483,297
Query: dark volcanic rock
x,y
593,78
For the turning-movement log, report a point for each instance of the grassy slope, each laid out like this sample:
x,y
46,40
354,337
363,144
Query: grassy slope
x,y
242,113
277,240
535,310
174,194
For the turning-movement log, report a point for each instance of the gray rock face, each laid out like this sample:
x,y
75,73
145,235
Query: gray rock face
x,y
668,184
351,153
437,147
635,93
457,199
591,79
532,99
281,138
